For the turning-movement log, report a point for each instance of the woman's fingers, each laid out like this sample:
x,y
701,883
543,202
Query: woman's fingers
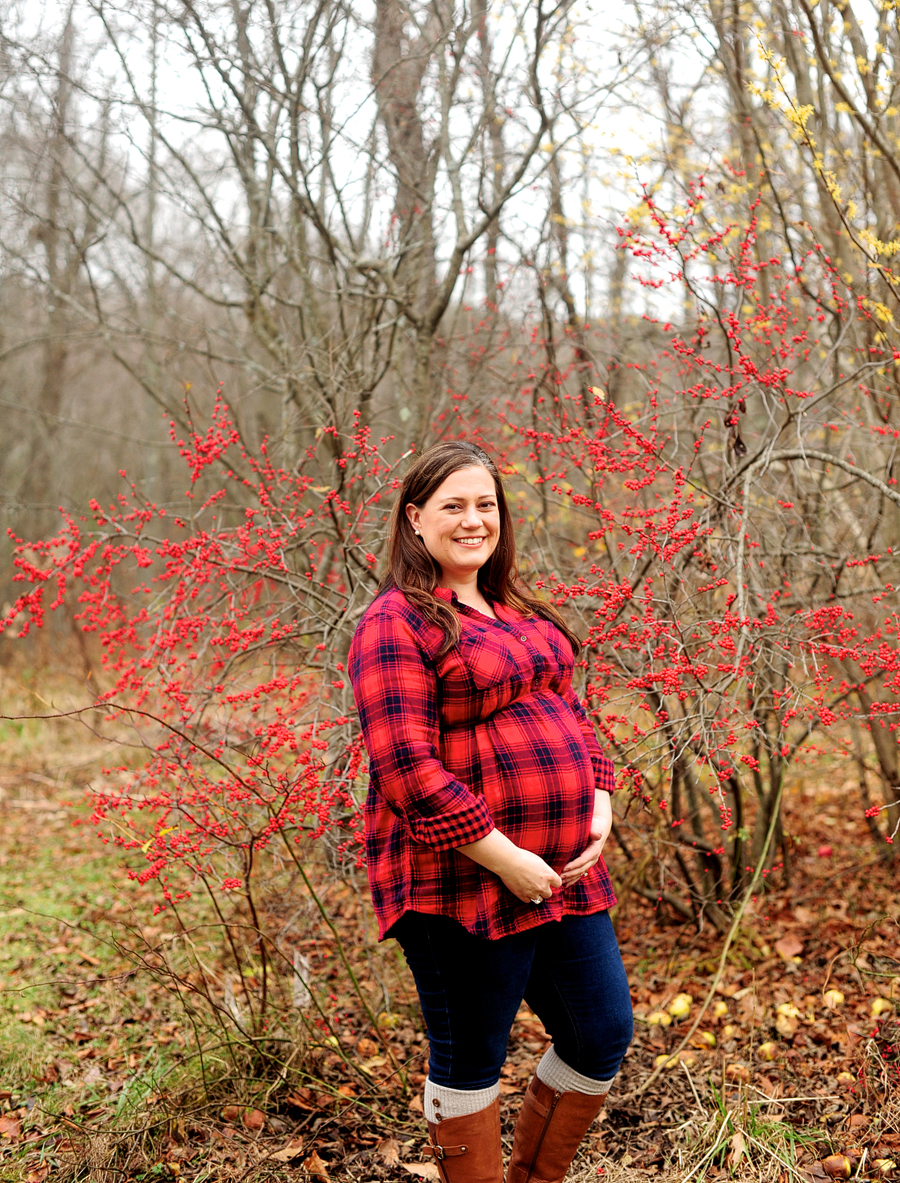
x,y
588,858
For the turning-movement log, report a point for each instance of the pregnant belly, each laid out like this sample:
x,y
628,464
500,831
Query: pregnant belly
x,y
537,777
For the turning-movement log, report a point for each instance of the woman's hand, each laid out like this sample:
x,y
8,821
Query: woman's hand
x,y
601,824
525,874
528,877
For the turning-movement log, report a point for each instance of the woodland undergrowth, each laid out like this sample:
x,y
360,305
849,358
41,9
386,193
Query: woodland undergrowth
x,y
109,1070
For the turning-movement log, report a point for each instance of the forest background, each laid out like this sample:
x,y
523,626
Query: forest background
x,y
254,255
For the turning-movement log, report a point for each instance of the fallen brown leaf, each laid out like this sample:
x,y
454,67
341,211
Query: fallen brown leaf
x,y
838,1166
424,1170
253,1119
415,1105
10,1127
316,1166
302,1098
292,1150
37,1174
789,946
231,1113
738,1148
388,1152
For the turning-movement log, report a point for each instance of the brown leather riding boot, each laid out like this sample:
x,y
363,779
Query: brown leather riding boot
x,y
548,1132
467,1149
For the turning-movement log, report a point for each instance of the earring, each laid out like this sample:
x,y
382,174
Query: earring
x,y
417,532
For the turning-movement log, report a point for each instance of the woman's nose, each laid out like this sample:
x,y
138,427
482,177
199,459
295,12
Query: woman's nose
x,y
472,518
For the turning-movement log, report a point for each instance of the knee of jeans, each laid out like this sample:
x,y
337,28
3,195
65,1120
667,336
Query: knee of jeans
x,y
623,1031
464,1065
600,1051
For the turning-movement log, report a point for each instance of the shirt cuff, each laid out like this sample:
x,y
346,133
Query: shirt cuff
x,y
605,775
456,827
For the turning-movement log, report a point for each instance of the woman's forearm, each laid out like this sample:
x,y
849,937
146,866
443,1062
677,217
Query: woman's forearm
x,y
493,852
526,874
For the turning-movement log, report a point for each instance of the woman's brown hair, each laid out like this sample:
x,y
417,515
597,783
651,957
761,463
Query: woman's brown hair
x,y
414,572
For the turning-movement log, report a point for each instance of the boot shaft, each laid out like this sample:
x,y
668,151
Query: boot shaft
x,y
549,1131
467,1149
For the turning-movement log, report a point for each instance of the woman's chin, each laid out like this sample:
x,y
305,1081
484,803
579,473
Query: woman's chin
x,y
461,569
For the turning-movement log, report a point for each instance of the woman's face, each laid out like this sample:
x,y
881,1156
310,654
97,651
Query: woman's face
x,y
460,523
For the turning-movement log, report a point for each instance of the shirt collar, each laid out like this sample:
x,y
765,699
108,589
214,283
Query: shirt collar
x,y
503,612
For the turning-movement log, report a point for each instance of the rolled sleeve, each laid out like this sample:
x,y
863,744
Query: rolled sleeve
x,y
604,770
396,695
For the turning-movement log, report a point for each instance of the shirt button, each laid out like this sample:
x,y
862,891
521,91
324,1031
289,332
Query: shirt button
x,y
523,637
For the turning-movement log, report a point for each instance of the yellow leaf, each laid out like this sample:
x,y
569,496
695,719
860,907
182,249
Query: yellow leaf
x,y
788,1009
659,1018
680,1006
786,1025
159,834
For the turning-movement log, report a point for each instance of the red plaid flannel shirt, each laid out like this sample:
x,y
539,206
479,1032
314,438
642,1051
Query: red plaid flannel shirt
x,y
491,734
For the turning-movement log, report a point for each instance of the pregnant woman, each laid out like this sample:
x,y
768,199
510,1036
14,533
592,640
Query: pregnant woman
x,y
487,813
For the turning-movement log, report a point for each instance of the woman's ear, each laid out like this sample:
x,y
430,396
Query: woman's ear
x,y
414,516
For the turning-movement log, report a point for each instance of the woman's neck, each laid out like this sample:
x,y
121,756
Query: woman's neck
x,y
469,593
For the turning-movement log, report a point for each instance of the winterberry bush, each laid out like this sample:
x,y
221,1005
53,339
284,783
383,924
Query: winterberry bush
x,y
728,534
722,533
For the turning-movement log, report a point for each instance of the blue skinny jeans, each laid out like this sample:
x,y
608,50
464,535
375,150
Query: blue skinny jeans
x,y
569,972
